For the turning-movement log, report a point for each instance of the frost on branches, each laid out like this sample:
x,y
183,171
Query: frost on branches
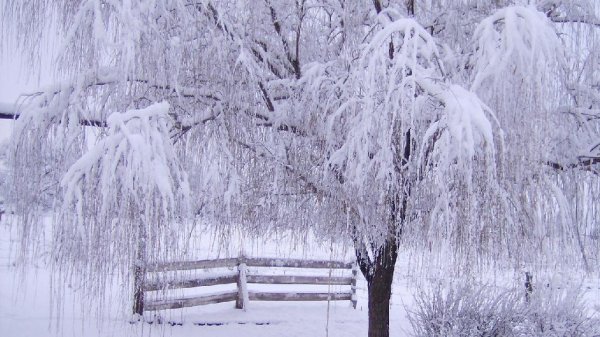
x,y
462,129
124,199
402,126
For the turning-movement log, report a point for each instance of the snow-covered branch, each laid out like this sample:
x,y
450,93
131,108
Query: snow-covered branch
x,y
129,190
515,40
589,20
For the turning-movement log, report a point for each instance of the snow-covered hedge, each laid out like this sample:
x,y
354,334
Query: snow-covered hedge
x,y
486,311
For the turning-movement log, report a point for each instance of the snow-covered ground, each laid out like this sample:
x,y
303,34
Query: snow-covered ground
x,y
25,306
26,311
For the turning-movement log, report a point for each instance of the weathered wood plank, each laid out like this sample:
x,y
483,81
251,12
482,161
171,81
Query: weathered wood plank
x,y
191,283
289,279
190,265
190,302
251,262
259,296
239,296
296,263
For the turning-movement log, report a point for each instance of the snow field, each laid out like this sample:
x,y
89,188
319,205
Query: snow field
x,y
26,311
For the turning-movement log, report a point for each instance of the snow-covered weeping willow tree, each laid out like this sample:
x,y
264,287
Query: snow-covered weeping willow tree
x,y
399,133
465,128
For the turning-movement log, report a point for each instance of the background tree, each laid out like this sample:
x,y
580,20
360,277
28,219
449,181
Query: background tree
x,y
471,125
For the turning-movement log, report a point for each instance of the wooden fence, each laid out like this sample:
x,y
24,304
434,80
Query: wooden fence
x,y
241,277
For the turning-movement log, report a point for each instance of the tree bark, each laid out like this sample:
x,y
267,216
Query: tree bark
x,y
380,275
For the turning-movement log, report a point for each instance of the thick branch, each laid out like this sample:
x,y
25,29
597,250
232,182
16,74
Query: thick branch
x,y
584,163
12,115
277,26
410,7
213,14
378,7
8,115
266,97
362,257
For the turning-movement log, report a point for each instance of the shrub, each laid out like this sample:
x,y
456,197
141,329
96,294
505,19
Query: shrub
x,y
559,313
485,311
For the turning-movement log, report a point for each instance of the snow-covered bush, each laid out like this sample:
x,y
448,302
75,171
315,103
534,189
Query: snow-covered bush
x,y
559,313
467,310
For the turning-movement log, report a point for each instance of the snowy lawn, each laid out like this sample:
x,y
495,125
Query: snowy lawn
x,y
28,315
25,309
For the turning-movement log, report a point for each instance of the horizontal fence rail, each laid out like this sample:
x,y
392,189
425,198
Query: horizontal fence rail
x,y
242,279
250,262
192,283
287,279
191,265
193,301
258,296
296,263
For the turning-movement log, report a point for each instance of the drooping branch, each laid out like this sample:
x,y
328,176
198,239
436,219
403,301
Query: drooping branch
x,y
102,79
362,255
131,179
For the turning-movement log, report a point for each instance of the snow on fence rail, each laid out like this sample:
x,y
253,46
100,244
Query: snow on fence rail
x,y
242,278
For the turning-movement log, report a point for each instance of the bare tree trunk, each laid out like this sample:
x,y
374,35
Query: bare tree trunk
x,y
380,290
380,274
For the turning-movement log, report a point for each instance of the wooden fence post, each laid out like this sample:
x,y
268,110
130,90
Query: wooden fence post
x,y
353,285
242,286
528,285
139,274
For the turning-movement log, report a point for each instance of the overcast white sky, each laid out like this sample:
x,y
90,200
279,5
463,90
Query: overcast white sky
x,y
12,78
